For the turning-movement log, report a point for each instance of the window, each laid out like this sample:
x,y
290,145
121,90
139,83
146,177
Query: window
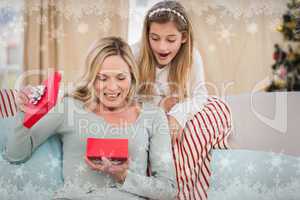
x,y
11,42
137,12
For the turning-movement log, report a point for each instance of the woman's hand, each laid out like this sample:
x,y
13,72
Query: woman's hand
x,y
168,102
29,95
22,98
118,172
175,129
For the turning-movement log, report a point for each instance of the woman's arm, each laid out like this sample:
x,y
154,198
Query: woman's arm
x,y
23,141
162,183
183,111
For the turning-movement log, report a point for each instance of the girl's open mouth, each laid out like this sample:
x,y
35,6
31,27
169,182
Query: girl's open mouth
x,y
164,55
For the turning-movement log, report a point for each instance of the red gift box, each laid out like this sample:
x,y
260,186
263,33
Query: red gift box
x,y
113,149
35,112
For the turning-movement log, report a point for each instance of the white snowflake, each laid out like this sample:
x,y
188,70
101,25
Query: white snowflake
x,y
212,48
5,4
199,7
41,176
10,191
249,9
295,181
211,20
134,164
76,10
136,15
274,24
236,12
297,166
53,183
276,162
57,34
236,189
252,28
74,188
104,23
251,169
43,47
225,163
89,186
1,159
16,26
141,148
30,190
81,168
225,34
5,33
71,10
3,42
83,28
42,20
53,162
276,180
165,158
34,7
19,173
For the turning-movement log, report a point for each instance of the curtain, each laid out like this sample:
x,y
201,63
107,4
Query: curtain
x,y
59,33
236,40
40,47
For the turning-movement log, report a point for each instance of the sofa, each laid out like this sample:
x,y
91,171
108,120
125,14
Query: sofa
x,y
264,162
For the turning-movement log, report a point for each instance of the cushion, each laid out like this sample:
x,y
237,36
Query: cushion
x,y
264,121
246,174
38,177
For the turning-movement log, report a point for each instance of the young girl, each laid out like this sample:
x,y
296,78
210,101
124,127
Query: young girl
x,y
102,107
171,75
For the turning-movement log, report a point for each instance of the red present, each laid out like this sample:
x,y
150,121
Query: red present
x,y
35,112
113,149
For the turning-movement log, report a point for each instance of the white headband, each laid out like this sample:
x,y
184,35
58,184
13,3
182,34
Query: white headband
x,y
168,10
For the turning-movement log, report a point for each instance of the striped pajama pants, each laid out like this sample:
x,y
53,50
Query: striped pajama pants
x,y
8,107
208,129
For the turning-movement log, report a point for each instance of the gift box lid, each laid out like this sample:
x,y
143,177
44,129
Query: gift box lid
x,y
114,149
35,112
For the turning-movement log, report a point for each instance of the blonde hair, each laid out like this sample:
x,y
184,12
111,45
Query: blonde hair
x,y
99,51
163,12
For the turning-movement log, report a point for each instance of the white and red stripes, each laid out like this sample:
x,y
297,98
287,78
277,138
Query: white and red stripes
x,y
8,105
209,128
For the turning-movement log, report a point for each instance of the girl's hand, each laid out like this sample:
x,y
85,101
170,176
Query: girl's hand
x,y
168,102
118,172
175,129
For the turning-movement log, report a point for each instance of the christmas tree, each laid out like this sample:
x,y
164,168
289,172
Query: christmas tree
x,y
286,69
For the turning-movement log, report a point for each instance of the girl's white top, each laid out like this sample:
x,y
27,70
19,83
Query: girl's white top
x,y
197,92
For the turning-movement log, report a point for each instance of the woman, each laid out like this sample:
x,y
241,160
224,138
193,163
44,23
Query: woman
x,y
171,74
102,106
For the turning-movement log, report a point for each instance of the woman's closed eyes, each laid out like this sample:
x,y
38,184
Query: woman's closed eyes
x,y
103,77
